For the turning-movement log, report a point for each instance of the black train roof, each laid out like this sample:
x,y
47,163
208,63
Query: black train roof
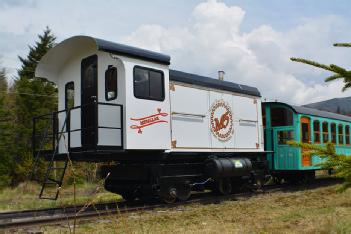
x,y
208,82
131,51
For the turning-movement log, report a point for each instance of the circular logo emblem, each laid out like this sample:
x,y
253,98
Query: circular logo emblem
x,y
221,120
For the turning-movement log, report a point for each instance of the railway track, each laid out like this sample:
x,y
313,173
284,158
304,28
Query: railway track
x,y
17,219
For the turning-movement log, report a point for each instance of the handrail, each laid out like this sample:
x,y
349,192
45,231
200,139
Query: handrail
x,y
54,116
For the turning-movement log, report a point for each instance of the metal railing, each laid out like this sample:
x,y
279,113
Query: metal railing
x,y
46,128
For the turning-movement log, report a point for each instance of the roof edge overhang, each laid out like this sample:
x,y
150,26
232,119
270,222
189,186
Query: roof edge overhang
x,y
50,64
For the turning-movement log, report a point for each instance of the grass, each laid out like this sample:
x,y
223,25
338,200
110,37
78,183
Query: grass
x,y
321,210
25,196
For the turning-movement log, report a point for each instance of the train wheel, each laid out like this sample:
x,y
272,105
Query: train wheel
x,y
128,196
170,197
224,186
184,192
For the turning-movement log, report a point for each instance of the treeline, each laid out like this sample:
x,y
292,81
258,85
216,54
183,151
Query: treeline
x,y
20,101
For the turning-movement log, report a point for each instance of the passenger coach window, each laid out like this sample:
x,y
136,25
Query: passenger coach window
x,y
341,134
111,83
69,95
316,130
333,133
347,133
325,132
148,84
284,137
281,116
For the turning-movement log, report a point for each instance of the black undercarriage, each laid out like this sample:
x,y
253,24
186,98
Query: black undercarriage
x,y
174,176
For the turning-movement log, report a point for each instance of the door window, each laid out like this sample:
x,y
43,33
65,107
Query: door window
x,y
69,95
111,83
285,136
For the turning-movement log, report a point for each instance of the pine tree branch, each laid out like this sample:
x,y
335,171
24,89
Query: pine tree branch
x,y
333,77
312,63
342,44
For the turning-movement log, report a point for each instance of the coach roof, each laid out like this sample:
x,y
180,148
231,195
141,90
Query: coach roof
x,y
208,82
55,58
314,112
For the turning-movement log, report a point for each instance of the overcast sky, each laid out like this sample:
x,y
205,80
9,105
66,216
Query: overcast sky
x,y
251,41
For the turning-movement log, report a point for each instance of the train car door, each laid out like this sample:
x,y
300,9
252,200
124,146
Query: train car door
x,y
283,153
305,138
88,97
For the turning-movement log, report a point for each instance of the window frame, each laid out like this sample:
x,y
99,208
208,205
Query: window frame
x,y
288,116
347,134
333,133
325,132
106,93
341,134
66,89
163,83
316,131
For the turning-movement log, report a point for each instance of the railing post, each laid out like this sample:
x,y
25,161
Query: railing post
x,y
96,124
68,128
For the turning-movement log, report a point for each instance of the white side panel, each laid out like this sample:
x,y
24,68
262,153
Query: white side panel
x,y
227,98
110,116
190,120
110,125
110,137
246,125
246,135
75,137
70,72
147,121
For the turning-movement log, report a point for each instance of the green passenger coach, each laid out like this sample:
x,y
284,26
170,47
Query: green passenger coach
x,y
283,122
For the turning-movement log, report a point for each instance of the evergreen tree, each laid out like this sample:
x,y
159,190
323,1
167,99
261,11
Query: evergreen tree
x,y
34,96
6,133
340,162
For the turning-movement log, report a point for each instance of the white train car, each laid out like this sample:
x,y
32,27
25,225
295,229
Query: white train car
x,y
170,131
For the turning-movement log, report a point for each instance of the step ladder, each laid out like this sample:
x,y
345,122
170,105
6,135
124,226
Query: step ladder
x,y
36,154
54,174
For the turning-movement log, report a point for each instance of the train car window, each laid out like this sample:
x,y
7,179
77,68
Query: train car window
x,y
341,134
148,84
305,132
264,116
347,134
111,83
281,116
325,132
285,136
333,133
316,130
69,95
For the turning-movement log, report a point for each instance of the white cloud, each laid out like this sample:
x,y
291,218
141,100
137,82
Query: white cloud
x,y
212,41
